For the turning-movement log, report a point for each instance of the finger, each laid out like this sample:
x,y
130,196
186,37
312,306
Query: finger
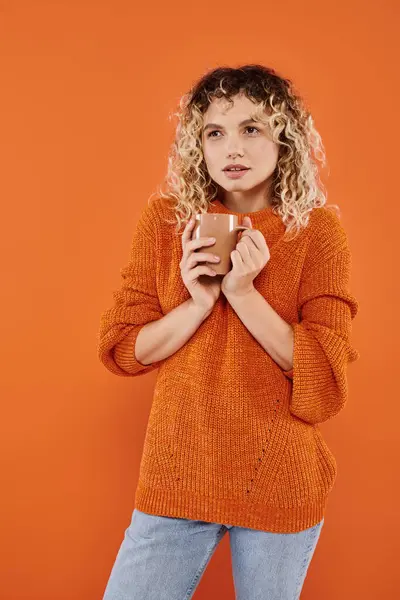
x,y
245,251
237,261
248,221
248,255
187,232
195,244
250,245
253,235
257,242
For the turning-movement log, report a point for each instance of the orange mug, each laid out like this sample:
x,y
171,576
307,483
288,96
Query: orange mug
x,y
224,228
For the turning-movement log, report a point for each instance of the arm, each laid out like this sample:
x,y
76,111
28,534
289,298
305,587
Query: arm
x,y
136,310
321,340
264,323
322,346
159,339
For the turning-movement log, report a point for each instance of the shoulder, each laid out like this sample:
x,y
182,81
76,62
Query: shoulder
x,y
152,214
326,234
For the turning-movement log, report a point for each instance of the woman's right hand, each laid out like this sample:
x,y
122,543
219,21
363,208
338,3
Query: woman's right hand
x,y
204,291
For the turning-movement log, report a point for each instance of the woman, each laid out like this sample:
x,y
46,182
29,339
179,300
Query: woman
x,y
250,363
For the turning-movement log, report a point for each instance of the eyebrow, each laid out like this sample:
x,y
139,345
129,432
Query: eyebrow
x,y
210,125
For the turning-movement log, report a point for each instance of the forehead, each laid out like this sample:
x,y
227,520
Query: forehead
x,y
221,110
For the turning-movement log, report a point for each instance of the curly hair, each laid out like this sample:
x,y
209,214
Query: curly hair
x,y
296,186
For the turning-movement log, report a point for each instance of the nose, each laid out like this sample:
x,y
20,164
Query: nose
x,y
234,148
236,151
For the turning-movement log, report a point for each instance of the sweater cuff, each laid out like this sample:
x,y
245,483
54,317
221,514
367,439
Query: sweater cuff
x,y
124,355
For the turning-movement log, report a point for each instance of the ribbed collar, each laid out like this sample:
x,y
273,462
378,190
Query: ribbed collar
x,y
263,217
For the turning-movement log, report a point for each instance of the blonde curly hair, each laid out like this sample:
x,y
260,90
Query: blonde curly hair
x,y
296,186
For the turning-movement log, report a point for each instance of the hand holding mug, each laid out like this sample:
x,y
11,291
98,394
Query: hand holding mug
x,y
204,290
248,259
224,228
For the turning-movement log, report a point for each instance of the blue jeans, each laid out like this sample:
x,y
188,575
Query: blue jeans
x,y
164,558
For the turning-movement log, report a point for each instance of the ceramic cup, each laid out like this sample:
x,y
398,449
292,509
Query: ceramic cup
x,y
224,227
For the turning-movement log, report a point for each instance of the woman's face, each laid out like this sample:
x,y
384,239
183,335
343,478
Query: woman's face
x,y
226,140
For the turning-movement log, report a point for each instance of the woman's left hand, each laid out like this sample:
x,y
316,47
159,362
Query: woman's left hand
x,y
248,259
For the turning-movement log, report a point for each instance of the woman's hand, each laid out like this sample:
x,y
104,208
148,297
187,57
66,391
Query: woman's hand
x,y
248,259
204,291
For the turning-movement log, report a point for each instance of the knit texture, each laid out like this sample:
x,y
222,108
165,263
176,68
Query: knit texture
x,y
231,437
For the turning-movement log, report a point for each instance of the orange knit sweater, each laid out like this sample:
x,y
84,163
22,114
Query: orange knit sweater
x,y
231,437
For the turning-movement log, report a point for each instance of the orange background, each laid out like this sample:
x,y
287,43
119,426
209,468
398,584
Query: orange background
x,y
87,88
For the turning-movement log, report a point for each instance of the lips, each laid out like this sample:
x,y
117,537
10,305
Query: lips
x,y
236,174
236,167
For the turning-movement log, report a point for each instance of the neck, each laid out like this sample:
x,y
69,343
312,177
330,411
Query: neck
x,y
256,199
246,205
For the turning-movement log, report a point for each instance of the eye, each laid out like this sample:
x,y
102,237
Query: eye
x,y
251,127
216,130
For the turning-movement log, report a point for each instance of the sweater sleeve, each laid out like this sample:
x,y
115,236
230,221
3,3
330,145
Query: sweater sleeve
x,y
322,346
135,303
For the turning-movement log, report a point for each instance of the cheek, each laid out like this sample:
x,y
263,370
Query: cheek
x,y
266,152
273,150
211,154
